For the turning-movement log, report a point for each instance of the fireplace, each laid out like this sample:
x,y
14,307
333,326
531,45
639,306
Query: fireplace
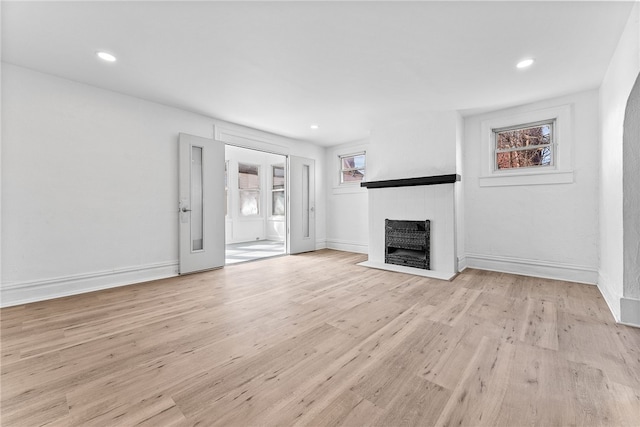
x,y
426,248
407,243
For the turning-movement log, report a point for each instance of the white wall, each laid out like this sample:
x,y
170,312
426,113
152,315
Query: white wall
x,y
614,93
251,228
424,145
630,305
89,185
498,218
419,146
347,204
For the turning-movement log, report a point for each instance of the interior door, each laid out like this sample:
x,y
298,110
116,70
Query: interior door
x,y
302,205
201,203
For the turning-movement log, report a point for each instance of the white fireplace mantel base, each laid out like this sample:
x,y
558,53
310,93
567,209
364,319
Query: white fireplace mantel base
x,y
409,270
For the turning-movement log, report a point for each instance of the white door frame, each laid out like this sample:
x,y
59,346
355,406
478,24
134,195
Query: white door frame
x,y
310,241
286,188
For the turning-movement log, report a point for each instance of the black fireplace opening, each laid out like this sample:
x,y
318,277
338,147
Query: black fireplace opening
x,y
407,243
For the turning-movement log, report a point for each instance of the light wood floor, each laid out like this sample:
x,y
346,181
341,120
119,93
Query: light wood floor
x,y
315,340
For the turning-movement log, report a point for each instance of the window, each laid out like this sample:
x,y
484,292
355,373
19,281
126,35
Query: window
x,y
352,168
277,191
524,146
527,146
249,189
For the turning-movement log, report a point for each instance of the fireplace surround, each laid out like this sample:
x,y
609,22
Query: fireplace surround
x,y
418,198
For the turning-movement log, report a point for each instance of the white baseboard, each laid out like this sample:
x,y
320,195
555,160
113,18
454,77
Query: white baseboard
x,y
321,244
462,263
40,290
612,300
625,310
535,268
347,246
409,270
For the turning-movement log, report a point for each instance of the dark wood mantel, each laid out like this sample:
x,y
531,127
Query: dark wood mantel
x,y
409,182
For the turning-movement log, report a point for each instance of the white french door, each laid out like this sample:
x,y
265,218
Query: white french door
x,y
302,205
201,203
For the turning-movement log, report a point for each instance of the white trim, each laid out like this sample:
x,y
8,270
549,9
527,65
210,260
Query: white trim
x,y
409,270
348,246
462,263
537,178
625,311
242,136
630,311
535,268
321,244
39,290
612,300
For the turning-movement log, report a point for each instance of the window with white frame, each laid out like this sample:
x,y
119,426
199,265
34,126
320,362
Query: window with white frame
x,y
249,189
532,147
277,190
352,168
528,145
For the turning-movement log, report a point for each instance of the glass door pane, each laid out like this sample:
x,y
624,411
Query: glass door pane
x,y
305,200
197,217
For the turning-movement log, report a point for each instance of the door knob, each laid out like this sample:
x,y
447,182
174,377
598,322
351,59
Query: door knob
x,y
186,210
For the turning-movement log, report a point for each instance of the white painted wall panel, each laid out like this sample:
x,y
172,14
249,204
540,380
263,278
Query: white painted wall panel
x,y
89,185
347,205
614,93
419,146
537,224
432,202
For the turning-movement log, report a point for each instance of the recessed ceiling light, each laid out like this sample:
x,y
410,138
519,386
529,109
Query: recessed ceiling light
x,y
314,127
525,63
106,56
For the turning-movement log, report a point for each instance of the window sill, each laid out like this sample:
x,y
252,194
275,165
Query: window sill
x,y
531,178
349,189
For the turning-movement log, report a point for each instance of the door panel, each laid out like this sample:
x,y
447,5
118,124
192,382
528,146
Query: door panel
x,y
302,218
201,203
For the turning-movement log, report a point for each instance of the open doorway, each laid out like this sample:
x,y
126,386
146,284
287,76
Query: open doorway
x,y
255,212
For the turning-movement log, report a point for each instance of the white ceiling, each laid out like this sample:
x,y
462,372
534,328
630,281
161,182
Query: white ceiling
x,y
281,66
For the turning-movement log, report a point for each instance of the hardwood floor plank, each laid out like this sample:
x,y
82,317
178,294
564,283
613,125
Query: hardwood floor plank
x,y
541,325
266,391
418,404
314,394
314,339
539,380
35,411
346,409
455,308
478,397
602,345
450,353
157,410
393,371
